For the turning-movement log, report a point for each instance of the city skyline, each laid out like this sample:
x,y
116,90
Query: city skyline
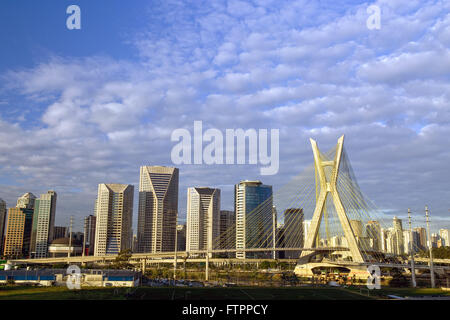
x,y
417,221
28,233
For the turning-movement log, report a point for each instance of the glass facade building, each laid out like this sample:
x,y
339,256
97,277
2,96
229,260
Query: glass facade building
x,y
254,223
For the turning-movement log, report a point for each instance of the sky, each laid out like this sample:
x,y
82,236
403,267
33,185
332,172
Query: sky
x,y
89,106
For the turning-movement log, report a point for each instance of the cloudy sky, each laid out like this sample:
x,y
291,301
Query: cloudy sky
x,y
83,107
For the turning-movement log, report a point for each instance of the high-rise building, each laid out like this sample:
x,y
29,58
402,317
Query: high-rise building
x,y
398,233
2,222
89,234
158,209
227,229
422,232
203,219
444,234
410,242
44,221
253,207
373,230
114,218
181,237
18,233
59,232
26,201
293,228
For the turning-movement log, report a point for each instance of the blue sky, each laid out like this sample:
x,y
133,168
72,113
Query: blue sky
x,y
82,107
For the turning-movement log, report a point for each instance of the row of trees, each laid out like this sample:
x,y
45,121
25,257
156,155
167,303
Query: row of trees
x,y
438,253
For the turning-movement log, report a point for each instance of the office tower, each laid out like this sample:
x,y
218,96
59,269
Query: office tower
x,y
114,218
158,209
2,222
89,234
373,230
18,233
422,232
398,232
181,237
59,232
26,201
43,223
253,207
203,218
443,233
227,229
293,228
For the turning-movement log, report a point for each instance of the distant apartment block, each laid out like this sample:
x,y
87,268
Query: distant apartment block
x,y
444,235
18,233
422,234
59,232
89,234
293,231
181,237
227,230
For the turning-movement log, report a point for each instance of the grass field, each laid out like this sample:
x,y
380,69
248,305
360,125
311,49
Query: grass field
x,y
179,293
183,293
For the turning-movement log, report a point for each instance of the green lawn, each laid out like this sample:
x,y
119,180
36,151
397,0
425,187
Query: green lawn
x,y
183,293
179,293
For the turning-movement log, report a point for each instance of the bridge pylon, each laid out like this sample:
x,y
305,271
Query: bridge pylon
x,y
328,188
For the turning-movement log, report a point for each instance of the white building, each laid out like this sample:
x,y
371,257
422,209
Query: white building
x,y
45,208
203,218
444,237
113,231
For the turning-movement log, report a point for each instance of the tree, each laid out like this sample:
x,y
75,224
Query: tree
x,y
289,277
438,253
122,260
